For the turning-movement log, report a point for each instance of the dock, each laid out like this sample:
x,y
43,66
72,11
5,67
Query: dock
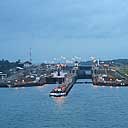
x,y
105,75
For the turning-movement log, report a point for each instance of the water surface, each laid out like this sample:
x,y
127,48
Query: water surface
x,y
85,107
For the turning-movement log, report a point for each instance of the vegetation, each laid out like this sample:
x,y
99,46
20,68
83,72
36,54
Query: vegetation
x,y
123,69
5,65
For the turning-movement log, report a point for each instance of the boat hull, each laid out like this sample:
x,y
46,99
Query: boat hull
x,y
57,94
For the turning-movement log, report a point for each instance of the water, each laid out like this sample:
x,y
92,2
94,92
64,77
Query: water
x,y
85,107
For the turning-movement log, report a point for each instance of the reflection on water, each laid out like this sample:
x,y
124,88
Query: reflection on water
x,y
85,107
41,87
16,88
59,100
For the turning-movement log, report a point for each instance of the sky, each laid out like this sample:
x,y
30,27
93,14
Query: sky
x,y
53,28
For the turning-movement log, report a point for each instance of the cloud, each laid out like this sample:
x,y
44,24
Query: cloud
x,y
47,22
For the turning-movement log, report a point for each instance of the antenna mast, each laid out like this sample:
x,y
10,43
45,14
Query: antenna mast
x,y
30,55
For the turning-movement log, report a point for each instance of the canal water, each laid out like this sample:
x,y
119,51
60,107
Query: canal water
x,y
85,107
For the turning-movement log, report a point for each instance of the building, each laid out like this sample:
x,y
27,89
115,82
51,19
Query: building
x,y
27,64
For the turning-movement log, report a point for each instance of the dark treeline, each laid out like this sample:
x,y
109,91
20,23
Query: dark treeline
x,y
121,61
5,65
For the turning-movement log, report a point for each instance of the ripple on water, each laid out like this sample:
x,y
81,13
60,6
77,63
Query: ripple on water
x,y
85,107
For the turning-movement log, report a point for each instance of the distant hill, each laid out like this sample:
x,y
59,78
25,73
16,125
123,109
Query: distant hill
x,y
116,62
121,61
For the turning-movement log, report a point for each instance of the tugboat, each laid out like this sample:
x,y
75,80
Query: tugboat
x,y
59,91
63,89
